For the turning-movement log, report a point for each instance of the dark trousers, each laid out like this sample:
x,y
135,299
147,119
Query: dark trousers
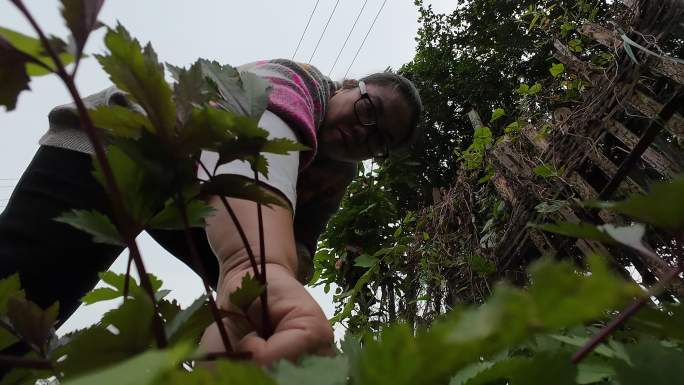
x,y
57,262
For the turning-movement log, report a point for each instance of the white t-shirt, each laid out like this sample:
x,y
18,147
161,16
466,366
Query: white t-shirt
x,y
282,169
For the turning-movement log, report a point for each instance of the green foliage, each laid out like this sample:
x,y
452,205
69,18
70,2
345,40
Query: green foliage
x,y
95,223
557,69
139,73
250,289
313,370
81,18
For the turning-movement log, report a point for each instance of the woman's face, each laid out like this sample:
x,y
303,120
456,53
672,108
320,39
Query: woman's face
x,y
343,137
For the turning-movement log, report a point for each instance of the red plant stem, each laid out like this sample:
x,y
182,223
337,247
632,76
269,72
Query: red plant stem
x,y
122,220
23,362
245,241
203,273
624,316
127,278
265,319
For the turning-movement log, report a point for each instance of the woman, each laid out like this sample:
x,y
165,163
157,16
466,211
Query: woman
x,y
342,125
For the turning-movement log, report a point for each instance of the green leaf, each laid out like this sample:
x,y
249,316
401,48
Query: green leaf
x,y
665,322
220,372
524,89
482,137
497,114
576,230
542,369
590,373
557,69
365,260
651,363
242,93
32,51
578,342
545,171
9,288
133,321
282,146
481,265
139,73
94,223
34,324
249,290
120,121
512,128
141,195
169,218
236,186
536,88
190,322
81,18
313,370
629,52
117,281
142,369
7,339
100,294
13,76
662,206
191,90
551,206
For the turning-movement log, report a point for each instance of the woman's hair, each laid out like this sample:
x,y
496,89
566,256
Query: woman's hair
x,y
408,92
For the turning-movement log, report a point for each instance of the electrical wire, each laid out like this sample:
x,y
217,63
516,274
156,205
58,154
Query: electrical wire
x,y
365,37
324,29
348,35
305,28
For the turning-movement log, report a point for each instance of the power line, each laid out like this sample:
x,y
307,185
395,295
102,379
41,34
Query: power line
x,y
365,37
305,28
348,35
324,29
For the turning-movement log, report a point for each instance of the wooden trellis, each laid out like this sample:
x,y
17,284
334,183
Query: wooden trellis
x,y
626,134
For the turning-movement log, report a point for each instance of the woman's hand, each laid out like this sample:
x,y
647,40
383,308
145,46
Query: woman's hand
x,y
299,325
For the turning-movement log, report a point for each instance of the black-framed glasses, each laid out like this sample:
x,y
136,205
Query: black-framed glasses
x,y
366,114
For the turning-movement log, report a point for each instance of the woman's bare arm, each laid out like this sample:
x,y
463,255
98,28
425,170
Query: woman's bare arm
x,y
300,327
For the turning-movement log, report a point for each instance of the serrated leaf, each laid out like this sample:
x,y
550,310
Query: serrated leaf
x,y
169,218
31,322
365,260
142,369
120,121
545,171
497,114
536,88
482,137
662,206
81,18
282,146
10,287
551,206
94,223
190,90
576,230
557,69
31,48
190,322
221,372
138,72
13,76
100,294
141,196
117,281
542,369
651,363
242,93
312,370
133,322
523,89
240,187
250,289
591,373
665,322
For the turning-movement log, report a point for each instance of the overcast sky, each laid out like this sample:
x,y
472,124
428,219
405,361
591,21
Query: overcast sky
x,y
232,32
